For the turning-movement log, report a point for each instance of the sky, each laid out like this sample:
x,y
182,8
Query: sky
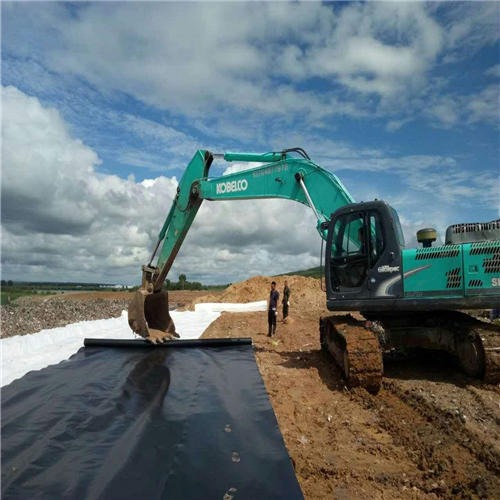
x,y
105,103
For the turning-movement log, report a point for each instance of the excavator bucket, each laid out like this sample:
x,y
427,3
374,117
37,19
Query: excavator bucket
x,y
149,316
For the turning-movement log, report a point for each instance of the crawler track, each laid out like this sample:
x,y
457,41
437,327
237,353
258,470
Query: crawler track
x,y
475,344
355,349
490,339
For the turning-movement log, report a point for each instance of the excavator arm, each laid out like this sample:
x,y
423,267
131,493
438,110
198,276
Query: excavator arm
x,y
289,174
410,295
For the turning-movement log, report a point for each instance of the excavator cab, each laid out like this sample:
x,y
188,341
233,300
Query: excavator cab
x,y
362,252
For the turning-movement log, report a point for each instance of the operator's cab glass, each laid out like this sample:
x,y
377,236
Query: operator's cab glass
x,y
397,225
356,246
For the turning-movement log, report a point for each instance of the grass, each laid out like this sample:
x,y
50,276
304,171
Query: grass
x,y
10,294
314,272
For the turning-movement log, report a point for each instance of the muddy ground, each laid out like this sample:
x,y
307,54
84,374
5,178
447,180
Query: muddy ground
x,y
431,432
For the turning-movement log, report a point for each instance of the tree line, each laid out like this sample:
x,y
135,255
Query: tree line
x,y
183,284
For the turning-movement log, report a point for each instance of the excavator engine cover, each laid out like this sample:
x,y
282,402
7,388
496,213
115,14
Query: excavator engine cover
x,y
149,316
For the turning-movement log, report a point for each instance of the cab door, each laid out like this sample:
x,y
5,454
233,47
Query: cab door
x,y
349,258
363,256
355,245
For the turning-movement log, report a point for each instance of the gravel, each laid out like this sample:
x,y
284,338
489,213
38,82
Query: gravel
x,y
28,316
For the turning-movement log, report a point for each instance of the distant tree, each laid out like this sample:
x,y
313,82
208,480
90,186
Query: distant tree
x,y
182,281
195,285
3,283
9,283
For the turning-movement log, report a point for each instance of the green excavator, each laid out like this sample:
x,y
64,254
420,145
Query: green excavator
x,y
396,297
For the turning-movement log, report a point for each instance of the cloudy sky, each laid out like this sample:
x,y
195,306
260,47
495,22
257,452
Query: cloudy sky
x,y
104,104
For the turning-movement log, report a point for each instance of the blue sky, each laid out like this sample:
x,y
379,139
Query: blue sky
x,y
103,105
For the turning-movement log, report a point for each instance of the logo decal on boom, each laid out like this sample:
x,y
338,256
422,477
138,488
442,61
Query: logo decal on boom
x,y
231,186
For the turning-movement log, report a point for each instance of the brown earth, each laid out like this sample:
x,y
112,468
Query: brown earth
x,y
431,432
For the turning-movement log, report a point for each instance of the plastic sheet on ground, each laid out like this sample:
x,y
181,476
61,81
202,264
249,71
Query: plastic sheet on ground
x,y
23,353
144,423
260,305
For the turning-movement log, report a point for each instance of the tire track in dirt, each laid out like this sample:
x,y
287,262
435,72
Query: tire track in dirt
x,y
451,423
453,463
430,433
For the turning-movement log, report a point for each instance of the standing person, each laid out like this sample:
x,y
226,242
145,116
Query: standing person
x,y
272,310
286,300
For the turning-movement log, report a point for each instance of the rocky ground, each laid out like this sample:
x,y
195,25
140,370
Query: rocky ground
x,y
431,432
31,314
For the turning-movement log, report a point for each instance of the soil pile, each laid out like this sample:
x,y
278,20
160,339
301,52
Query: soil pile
x,y
305,293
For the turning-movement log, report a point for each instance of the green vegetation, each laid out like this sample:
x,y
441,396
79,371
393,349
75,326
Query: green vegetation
x,y
10,294
314,272
184,284
217,287
11,291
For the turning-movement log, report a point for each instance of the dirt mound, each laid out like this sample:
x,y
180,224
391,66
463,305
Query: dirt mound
x,y
305,293
431,432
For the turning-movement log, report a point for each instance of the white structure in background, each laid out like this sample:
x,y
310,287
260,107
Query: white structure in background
x,y
24,353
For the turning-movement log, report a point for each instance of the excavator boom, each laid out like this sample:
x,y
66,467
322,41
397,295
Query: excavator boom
x,y
412,295
289,174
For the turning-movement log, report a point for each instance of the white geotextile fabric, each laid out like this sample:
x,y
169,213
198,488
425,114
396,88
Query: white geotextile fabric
x,y
261,305
24,353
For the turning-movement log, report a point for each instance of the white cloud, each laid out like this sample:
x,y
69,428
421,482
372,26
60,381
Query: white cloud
x,y
380,48
369,60
494,71
484,106
189,61
37,152
469,27
447,111
57,210
61,220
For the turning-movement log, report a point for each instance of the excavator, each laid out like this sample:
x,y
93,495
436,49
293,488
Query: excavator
x,y
383,296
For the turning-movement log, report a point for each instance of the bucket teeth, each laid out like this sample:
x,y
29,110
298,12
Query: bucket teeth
x,y
149,316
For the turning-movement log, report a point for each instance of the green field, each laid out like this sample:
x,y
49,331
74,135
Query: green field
x,y
8,295
10,291
314,272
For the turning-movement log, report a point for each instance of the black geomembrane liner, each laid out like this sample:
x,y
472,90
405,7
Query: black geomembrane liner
x,y
145,424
